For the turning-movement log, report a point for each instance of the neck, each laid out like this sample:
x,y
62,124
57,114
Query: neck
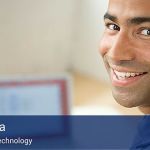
x,y
145,109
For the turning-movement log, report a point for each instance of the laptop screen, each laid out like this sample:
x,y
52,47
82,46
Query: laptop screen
x,y
35,96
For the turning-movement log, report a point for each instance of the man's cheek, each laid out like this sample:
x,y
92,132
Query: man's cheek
x,y
144,56
105,45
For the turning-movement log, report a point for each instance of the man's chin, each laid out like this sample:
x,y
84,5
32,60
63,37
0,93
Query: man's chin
x,y
125,101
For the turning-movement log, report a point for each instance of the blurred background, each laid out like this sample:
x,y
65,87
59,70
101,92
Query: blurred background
x,y
43,37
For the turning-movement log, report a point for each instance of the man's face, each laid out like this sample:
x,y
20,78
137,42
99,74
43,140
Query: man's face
x,y
125,48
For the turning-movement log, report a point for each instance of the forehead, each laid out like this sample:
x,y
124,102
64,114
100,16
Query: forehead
x,y
129,8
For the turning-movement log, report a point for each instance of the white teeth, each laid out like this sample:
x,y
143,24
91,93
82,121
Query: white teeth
x,y
121,78
128,74
123,75
137,74
132,74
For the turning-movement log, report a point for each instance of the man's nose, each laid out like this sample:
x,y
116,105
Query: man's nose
x,y
121,48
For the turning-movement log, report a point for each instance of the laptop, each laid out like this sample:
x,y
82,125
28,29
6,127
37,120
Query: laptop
x,y
35,95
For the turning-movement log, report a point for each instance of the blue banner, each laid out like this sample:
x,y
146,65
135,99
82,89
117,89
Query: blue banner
x,y
74,132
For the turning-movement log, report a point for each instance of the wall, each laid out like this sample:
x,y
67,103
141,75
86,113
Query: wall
x,y
43,36
35,35
86,58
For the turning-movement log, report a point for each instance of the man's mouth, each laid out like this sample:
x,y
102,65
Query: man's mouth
x,y
127,75
125,78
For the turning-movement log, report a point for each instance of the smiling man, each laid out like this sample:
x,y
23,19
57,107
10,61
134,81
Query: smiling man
x,y
125,48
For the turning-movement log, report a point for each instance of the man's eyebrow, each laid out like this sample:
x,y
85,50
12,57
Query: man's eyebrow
x,y
110,17
138,20
134,20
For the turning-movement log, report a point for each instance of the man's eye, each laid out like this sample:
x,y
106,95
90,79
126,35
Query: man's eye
x,y
112,27
145,32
